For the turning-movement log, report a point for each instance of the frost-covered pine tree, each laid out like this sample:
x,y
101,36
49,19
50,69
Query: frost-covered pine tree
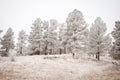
x,y
62,38
116,45
76,27
21,45
36,37
7,41
99,42
52,36
45,36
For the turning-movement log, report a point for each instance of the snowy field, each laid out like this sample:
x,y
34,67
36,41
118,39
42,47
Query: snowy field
x,y
58,67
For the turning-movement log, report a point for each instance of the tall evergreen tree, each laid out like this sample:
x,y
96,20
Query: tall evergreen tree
x,y
99,42
76,27
21,45
116,45
35,37
45,36
62,38
7,41
52,36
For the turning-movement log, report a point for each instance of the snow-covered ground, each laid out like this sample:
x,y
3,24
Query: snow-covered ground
x,y
54,67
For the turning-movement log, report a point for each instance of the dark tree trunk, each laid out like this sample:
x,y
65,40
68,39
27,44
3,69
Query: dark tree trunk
x,y
60,51
98,56
6,52
98,53
73,54
45,50
39,49
21,50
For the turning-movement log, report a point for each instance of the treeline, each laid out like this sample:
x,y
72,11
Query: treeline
x,y
73,36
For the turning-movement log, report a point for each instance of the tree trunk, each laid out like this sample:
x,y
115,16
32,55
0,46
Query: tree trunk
x,y
6,54
45,50
73,54
39,49
60,51
98,56
98,53
21,50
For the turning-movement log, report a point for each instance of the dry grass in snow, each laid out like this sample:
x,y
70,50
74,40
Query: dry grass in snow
x,y
57,67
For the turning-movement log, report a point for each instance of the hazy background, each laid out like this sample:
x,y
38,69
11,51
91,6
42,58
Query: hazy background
x,y
20,14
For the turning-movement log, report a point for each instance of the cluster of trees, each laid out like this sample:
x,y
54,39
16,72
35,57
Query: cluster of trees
x,y
74,36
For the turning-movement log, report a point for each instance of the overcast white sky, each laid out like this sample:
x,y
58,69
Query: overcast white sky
x,y
20,14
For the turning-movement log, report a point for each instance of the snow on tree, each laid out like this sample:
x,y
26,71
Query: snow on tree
x,y
86,47
52,36
99,42
45,36
62,37
116,45
53,24
7,41
76,27
21,45
35,37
